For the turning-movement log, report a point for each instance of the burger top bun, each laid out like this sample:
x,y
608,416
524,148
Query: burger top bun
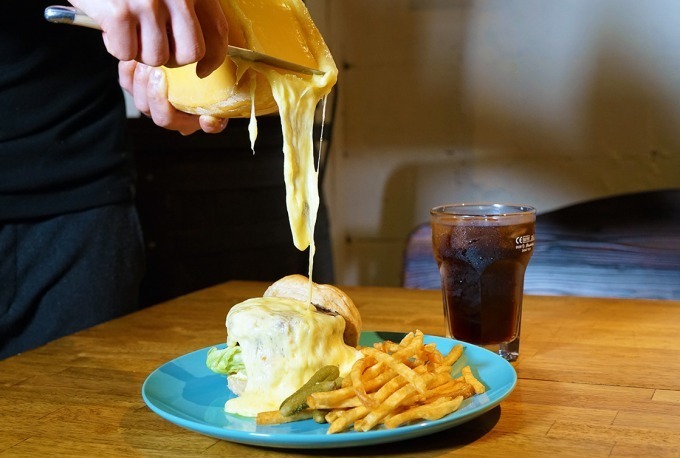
x,y
327,298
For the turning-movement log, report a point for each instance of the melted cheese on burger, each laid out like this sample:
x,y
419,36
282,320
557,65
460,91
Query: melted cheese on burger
x,y
283,343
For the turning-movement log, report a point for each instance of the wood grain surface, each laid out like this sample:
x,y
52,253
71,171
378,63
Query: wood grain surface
x,y
597,377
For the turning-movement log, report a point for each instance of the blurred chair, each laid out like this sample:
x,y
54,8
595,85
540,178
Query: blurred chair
x,y
621,246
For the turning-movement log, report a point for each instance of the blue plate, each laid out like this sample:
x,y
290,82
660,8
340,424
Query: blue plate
x,y
185,392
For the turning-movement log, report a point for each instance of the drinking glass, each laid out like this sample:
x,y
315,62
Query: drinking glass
x,y
482,250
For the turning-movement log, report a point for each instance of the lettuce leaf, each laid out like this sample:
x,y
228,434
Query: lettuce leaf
x,y
225,361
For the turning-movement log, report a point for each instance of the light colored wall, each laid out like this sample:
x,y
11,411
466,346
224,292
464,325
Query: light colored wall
x,y
543,102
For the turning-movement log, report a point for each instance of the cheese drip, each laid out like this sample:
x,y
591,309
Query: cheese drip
x,y
297,100
281,28
283,343
295,38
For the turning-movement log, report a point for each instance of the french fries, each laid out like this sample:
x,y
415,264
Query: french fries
x,y
393,384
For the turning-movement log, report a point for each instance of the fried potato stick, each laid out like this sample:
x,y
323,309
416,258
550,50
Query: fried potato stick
x,y
400,368
357,382
433,411
453,355
392,402
344,421
469,378
274,417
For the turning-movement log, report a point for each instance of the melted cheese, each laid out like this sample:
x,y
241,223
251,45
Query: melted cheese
x,y
281,28
283,343
284,28
297,99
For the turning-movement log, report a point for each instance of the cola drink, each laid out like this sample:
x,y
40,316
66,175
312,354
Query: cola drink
x,y
482,251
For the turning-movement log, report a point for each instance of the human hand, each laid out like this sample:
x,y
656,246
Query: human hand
x,y
149,89
162,32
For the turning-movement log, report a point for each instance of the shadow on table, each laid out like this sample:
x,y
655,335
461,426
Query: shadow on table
x,y
429,445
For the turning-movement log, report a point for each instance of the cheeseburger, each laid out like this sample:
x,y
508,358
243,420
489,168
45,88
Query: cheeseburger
x,y
277,342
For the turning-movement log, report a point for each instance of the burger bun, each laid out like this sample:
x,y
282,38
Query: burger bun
x,y
326,298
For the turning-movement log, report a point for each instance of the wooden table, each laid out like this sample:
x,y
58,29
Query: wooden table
x,y
597,377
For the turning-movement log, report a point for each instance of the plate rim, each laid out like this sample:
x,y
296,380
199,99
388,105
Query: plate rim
x,y
346,439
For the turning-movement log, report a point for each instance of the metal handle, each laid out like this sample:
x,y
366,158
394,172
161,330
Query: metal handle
x,y
69,15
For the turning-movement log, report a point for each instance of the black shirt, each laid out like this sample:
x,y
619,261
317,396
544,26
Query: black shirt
x,y
62,118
